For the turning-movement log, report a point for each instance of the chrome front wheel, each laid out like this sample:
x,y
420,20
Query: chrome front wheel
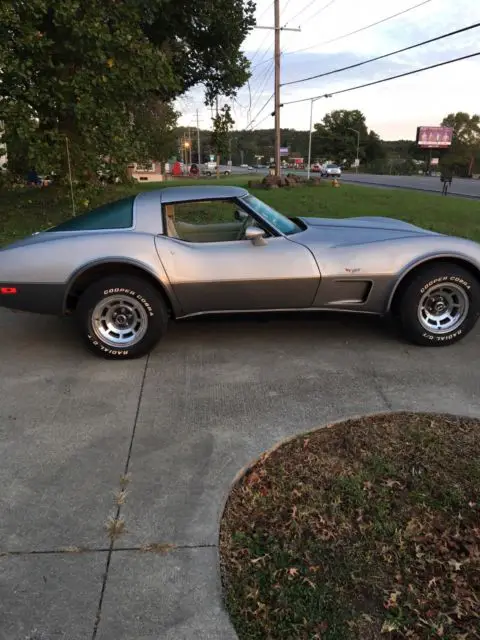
x,y
443,308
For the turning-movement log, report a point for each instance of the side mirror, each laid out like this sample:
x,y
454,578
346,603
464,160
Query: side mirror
x,y
255,235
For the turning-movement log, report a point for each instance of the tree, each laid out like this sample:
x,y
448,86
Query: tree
x,y
373,149
222,124
334,137
466,142
82,69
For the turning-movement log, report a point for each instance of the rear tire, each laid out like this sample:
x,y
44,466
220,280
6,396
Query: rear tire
x,y
439,305
121,317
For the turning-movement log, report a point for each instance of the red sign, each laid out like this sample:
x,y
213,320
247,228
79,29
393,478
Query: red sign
x,y
434,137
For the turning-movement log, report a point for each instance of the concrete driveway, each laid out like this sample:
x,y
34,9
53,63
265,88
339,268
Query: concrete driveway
x,y
181,423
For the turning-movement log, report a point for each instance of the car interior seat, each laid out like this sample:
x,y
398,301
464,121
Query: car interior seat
x,y
170,217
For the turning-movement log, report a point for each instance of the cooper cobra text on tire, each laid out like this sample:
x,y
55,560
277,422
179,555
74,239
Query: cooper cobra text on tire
x,y
122,317
439,305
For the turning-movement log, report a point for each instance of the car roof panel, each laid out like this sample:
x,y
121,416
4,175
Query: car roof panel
x,y
201,192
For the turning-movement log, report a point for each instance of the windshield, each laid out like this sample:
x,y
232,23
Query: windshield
x,y
276,219
332,166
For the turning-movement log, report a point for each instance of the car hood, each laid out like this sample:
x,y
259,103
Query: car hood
x,y
362,229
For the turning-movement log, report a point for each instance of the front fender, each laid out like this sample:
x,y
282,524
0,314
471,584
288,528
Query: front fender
x,y
459,258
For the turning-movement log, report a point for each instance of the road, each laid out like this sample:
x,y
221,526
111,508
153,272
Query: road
x,y
468,188
460,186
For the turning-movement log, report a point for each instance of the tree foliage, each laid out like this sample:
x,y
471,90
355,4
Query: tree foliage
x,y
93,70
465,149
222,124
335,137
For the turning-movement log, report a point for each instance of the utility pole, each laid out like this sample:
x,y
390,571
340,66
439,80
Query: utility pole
x,y
277,54
277,87
198,142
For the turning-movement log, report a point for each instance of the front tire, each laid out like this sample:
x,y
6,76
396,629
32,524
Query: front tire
x,y
439,305
121,317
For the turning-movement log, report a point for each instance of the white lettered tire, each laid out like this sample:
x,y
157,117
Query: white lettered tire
x,y
121,317
439,305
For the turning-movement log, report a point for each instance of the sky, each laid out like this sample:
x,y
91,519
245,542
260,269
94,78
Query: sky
x,y
393,109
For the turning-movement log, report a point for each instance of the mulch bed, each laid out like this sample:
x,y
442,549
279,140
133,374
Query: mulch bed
x,y
367,529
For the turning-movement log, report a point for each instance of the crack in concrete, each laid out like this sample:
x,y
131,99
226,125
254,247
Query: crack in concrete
x,y
379,389
169,548
119,506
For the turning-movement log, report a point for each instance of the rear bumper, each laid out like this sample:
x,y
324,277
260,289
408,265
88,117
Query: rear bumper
x,y
35,298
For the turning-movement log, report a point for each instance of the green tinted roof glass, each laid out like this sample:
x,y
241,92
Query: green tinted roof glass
x,y
114,215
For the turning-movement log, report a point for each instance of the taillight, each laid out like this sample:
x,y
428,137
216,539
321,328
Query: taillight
x,y
8,291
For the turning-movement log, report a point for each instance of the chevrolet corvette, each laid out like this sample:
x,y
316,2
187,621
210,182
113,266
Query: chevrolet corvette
x,y
125,269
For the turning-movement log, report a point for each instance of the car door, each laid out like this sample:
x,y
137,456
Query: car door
x,y
239,275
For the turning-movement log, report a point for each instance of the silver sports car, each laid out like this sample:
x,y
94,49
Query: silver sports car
x,y
126,268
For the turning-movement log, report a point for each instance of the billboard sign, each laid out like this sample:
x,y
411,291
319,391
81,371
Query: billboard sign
x,y
434,137
284,151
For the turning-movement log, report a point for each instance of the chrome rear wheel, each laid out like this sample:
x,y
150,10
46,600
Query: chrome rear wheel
x,y
119,321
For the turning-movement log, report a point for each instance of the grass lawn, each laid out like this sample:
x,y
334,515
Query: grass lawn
x,y
364,530
25,210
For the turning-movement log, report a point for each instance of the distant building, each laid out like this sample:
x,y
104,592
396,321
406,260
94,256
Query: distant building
x,y
146,172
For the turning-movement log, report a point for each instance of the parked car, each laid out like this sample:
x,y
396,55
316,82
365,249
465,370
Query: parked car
x,y
211,169
316,168
331,171
127,268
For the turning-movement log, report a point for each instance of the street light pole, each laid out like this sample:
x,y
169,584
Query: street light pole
x,y
327,95
358,147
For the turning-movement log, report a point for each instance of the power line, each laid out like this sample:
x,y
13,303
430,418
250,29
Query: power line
x,y
262,59
262,109
269,115
321,10
259,48
265,11
260,64
297,14
370,84
386,55
284,9
259,93
368,26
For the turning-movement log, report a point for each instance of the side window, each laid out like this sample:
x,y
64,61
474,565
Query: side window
x,y
113,215
206,221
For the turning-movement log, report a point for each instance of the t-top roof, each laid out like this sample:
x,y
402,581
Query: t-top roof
x,y
200,192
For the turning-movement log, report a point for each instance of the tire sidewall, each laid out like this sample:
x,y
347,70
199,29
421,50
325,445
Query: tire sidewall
x,y
420,285
135,288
